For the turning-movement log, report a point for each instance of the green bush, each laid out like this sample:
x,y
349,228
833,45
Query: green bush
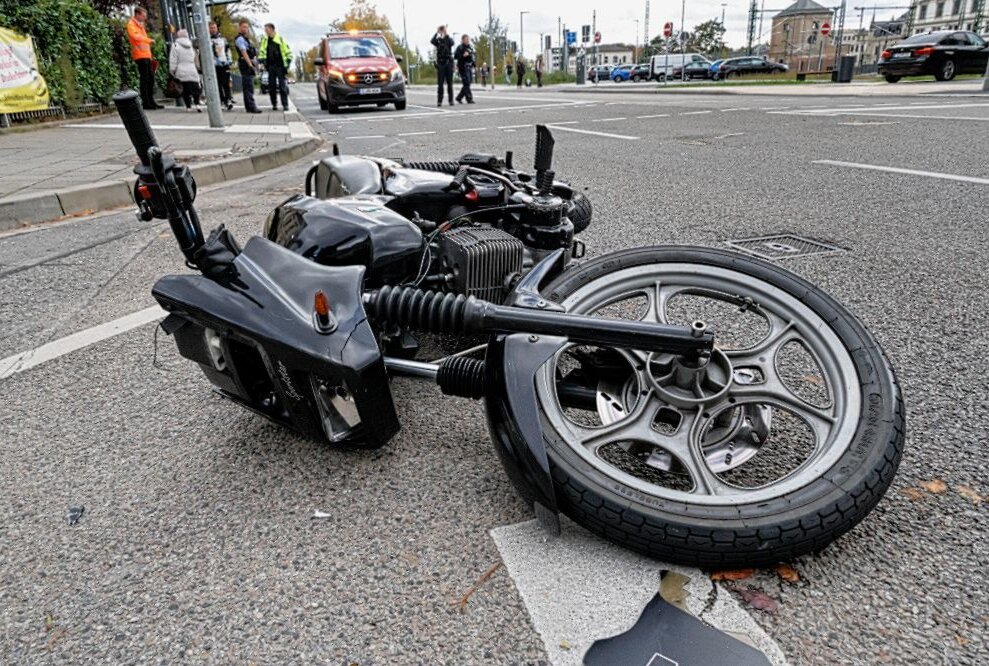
x,y
74,43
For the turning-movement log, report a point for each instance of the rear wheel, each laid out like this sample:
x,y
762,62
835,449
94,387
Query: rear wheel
x,y
400,105
946,71
890,78
781,441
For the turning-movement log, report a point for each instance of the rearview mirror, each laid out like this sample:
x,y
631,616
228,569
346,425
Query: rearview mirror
x,y
399,58
318,62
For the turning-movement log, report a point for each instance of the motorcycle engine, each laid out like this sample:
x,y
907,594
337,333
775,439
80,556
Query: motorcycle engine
x,y
480,261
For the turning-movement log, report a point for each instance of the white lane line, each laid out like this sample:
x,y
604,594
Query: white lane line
x,y
56,348
415,133
694,113
908,172
773,108
655,115
566,122
365,136
608,120
917,115
469,129
739,108
433,110
583,131
859,108
385,120
578,588
504,127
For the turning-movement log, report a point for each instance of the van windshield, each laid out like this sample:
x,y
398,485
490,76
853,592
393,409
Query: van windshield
x,y
359,47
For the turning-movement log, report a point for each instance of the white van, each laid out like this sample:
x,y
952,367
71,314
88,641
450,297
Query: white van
x,y
661,66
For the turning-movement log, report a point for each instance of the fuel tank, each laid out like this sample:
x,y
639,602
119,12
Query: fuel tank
x,y
349,231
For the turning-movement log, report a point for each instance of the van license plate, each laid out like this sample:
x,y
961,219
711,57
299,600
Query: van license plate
x,y
370,91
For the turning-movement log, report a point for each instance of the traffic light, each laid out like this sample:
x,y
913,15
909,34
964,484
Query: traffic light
x,y
585,34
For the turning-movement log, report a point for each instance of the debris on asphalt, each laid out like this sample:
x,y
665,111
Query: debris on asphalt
x,y
913,493
969,494
565,645
757,599
936,486
733,574
462,601
673,588
676,637
787,573
321,514
75,514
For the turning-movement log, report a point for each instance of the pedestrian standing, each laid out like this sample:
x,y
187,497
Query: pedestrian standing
x,y
277,58
520,70
464,57
182,65
221,58
539,67
443,43
508,72
140,53
247,63
484,74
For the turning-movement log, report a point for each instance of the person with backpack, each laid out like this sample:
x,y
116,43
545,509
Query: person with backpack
x,y
221,58
443,43
520,70
277,58
183,65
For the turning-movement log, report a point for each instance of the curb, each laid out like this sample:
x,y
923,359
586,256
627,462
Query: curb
x,y
21,210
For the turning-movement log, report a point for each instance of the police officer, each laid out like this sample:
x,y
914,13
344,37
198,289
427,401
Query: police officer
x,y
464,55
444,64
277,58
248,65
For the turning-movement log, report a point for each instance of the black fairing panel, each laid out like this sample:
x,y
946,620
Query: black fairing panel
x,y
343,175
350,231
416,191
272,351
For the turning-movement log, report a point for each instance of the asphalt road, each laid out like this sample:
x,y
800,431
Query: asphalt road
x,y
198,542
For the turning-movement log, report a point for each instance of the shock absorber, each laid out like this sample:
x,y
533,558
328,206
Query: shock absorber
x,y
442,166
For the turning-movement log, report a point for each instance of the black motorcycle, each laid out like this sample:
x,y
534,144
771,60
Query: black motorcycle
x,y
697,405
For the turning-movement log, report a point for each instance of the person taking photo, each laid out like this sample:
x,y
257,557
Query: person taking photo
x,y
443,43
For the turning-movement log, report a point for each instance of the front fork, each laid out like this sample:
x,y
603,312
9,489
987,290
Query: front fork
x,y
525,335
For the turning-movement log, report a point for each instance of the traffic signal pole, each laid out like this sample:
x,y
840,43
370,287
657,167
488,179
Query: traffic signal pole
x,y
207,64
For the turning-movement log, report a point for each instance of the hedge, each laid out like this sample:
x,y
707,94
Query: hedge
x,y
74,44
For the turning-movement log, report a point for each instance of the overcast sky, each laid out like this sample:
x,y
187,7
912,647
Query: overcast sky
x,y
303,22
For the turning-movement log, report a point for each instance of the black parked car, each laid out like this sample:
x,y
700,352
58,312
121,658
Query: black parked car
x,y
941,54
698,69
599,73
640,72
734,67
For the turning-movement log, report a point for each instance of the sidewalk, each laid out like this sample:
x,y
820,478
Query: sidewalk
x,y
74,168
809,89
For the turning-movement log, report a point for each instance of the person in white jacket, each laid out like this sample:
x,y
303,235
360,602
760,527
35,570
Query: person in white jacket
x,y
183,65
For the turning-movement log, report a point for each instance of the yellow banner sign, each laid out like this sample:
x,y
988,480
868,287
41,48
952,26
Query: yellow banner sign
x,y
22,87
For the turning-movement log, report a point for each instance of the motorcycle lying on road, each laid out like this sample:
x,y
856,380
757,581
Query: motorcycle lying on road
x,y
697,405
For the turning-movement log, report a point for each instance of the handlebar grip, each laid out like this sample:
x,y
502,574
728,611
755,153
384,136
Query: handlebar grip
x,y
136,123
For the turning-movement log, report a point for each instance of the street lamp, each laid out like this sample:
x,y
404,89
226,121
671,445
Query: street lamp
x,y
723,5
522,33
491,38
635,46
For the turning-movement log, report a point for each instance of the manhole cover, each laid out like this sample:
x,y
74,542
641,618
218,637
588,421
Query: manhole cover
x,y
782,246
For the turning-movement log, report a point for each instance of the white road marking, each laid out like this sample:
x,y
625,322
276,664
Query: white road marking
x,y
608,120
918,115
56,348
694,113
579,588
908,172
583,131
470,129
740,108
773,108
415,133
655,115
366,136
857,109
565,122
505,127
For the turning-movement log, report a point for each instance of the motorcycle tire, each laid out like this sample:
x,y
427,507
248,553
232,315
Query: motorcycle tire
x,y
580,212
750,528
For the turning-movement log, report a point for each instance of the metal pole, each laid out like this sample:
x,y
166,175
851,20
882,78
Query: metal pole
x,y
491,61
683,13
521,34
723,14
207,64
594,30
405,38
985,82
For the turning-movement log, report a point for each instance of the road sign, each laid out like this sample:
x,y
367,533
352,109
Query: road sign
x,y
668,29
597,37
585,34
571,37
825,29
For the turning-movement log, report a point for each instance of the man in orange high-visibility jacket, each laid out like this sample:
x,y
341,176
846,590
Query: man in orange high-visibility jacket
x,y
140,53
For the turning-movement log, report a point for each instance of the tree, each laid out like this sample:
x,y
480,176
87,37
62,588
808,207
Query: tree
x,y
363,15
493,26
708,37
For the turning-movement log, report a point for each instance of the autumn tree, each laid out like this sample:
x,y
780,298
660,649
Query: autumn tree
x,y
708,37
493,26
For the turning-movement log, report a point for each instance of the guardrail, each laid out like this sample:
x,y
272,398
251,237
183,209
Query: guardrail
x,y
54,111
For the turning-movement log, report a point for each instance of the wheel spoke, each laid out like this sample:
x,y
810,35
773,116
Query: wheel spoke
x,y
631,427
781,332
773,392
659,295
685,445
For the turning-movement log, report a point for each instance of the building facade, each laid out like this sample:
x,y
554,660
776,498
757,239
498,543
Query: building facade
x,y
930,15
796,38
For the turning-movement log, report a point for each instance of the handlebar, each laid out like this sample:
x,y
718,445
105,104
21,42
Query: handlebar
x,y
128,104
